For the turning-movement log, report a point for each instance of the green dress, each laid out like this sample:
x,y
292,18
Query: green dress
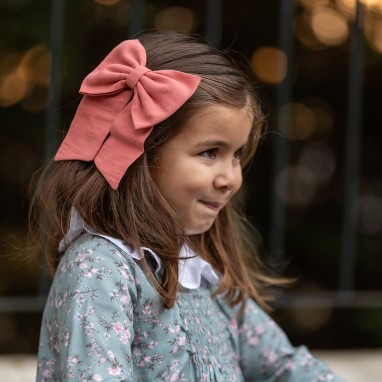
x,y
103,321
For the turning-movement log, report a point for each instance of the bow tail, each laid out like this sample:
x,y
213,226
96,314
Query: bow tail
x,y
124,146
81,142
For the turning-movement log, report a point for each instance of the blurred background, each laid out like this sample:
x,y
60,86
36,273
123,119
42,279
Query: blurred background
x,y
314,191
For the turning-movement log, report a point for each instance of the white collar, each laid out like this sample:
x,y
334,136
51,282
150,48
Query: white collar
x,y
191,270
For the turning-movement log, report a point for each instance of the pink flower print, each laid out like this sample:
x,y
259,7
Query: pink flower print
x,y
56,347
83,265
114,370
118,327
80,256
126,337
253,341
73,360
66,339
50,362
176,329
181,341
174,365
125,299
47,373
272,357
233,324
146,309
110,354
123,274
147,358
152,344
175,377
259,329
97,378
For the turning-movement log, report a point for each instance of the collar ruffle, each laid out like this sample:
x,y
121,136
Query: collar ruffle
x,y
191,269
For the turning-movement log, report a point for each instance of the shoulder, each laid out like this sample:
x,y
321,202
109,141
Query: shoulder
x,y
93,256
94,263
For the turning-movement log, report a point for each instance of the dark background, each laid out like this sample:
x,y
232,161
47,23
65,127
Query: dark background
x,y
314,125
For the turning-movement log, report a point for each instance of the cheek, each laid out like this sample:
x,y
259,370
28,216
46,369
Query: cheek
x,y
238,182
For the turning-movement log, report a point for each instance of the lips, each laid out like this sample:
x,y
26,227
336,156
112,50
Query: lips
x,y
214,206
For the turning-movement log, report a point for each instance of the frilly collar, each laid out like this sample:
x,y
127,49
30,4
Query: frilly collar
x,y
191,270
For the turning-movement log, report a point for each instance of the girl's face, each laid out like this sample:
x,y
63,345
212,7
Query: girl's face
x,y
199,168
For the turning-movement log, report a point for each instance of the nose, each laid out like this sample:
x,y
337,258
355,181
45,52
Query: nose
x,y
229,177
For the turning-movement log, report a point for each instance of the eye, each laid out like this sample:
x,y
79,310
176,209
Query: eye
x,y
209,154
239,153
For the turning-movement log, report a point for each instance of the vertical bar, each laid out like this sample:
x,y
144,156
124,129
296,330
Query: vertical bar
x,y
213,21
52,121
352,154
280,156
136,17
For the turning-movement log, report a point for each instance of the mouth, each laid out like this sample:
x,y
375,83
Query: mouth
x,y
213,206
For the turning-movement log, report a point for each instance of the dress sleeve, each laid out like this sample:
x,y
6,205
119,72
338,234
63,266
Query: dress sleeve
x,y
267,355
87,327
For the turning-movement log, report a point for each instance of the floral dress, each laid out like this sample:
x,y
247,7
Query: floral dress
x,y
103,321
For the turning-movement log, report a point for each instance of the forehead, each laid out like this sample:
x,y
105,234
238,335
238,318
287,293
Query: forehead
x,y
220,122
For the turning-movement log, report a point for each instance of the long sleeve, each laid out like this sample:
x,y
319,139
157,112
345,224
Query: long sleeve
x,y
87,329
267,355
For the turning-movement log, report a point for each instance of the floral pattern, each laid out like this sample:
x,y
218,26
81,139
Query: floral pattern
x,y
105,322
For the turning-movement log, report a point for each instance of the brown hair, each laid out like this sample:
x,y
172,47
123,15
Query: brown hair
x,y
136,212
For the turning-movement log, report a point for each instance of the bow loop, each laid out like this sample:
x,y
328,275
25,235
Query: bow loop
x,y
122,101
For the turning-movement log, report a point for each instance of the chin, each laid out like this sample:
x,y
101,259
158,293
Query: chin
x,y
198,230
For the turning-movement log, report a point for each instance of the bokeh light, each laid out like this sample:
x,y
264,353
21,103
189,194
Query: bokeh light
x,y
320,160
296,186
329,26
303,30
13,89
369,214
373,30
269,64
314,3
347,7
310,320
296,121
374,5
175,18
302,120
35,65
113,14
19,78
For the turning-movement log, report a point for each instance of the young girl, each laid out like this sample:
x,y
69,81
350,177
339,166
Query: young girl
x,y
155,273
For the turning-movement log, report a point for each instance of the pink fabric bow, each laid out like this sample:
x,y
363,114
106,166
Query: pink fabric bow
x,y
122,102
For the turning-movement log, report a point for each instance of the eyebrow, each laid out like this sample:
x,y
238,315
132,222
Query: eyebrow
x,y
212,142
216,143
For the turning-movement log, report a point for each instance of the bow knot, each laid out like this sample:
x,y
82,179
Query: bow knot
x,y
135,75
112,122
